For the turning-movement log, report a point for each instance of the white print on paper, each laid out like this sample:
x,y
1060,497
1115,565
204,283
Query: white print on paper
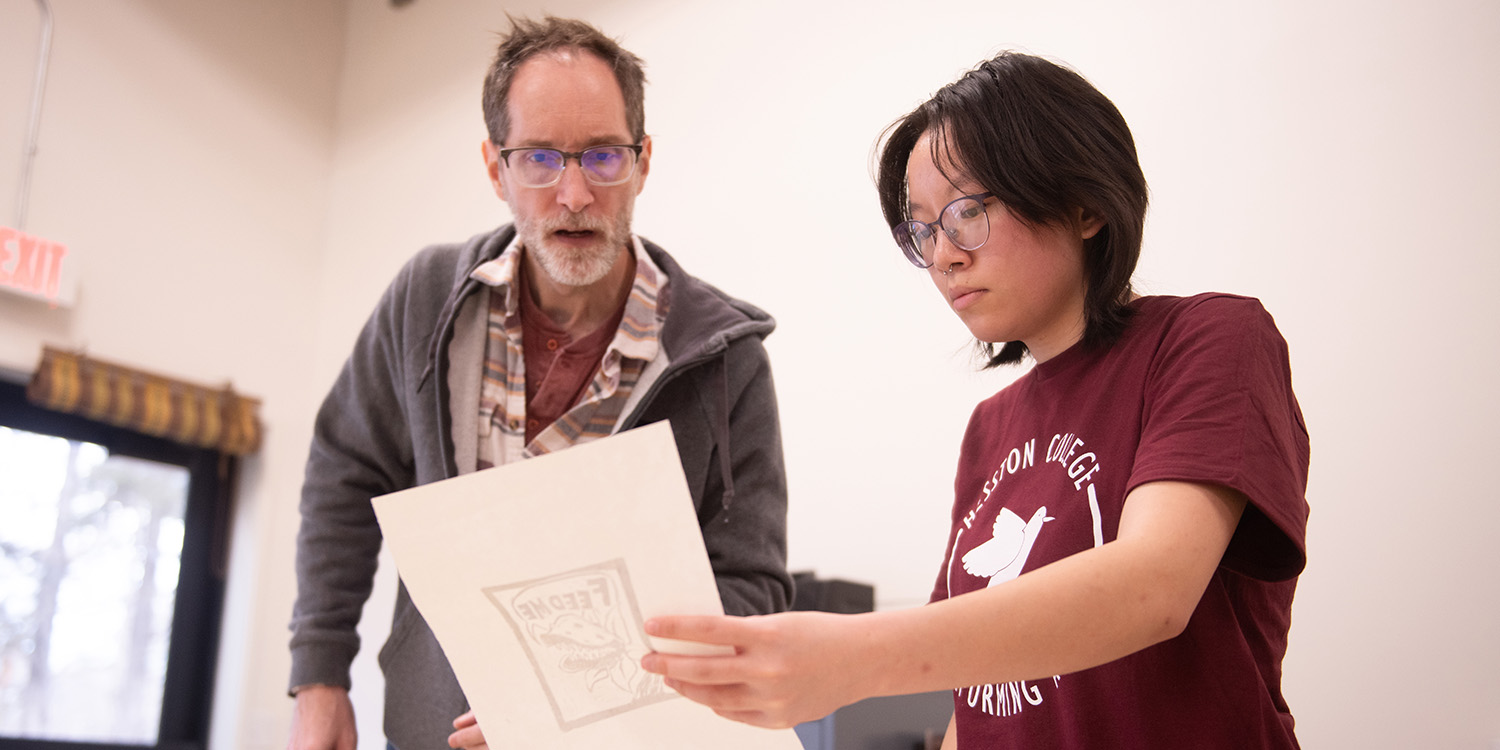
x,y
583,634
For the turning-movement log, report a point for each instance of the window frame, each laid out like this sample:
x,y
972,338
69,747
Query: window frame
x,y
192,653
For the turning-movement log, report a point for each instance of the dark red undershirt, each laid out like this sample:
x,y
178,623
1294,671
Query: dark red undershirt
x,y
558,369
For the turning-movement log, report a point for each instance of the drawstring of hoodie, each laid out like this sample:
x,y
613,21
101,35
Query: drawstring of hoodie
x,y
721,427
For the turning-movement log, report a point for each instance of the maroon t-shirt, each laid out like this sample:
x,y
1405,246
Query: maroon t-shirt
x,y
1198,389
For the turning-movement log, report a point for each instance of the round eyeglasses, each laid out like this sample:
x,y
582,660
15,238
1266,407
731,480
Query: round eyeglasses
x,y
964,220
543,167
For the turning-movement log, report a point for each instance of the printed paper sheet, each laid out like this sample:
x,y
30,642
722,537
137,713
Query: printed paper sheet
x,y
536,578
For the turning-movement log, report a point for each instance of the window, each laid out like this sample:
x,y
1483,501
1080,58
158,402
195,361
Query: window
x,y
111,549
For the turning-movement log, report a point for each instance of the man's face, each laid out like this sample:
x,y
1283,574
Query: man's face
x,y
574,231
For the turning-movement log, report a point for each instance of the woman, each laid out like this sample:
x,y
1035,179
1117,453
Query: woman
x,y
1129,515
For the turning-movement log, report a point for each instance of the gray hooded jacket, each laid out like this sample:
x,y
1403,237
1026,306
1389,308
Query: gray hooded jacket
x,y
403,412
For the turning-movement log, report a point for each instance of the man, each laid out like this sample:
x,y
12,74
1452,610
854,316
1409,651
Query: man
x,y
559,329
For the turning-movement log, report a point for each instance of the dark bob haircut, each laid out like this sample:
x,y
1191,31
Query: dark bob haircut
x,y
529,38
1046,143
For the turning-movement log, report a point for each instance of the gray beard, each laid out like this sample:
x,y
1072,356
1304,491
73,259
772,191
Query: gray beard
x,y
576,266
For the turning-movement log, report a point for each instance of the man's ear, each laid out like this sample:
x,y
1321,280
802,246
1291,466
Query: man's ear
x,y
644,166
491,154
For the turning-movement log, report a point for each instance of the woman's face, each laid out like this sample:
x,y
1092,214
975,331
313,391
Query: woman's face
x,y
1023,284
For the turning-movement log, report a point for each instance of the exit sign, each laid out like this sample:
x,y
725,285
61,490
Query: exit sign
x,y
37,267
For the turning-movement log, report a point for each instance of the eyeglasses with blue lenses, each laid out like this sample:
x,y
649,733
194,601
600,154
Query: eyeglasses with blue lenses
x,y
543,167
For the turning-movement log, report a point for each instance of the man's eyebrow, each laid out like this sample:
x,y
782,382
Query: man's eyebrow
x,y
604,140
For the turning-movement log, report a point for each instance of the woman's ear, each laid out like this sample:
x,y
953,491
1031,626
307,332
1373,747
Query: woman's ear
x,y
1088,223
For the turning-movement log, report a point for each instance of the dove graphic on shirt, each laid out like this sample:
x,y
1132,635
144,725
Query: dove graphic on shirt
x,y
1002,557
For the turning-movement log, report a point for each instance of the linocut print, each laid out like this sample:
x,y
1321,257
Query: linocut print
x,y
583,633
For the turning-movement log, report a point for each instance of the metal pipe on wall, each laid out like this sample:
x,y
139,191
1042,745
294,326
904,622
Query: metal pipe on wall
x,y
28,155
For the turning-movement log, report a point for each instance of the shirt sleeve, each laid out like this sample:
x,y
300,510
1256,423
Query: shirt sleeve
x,y
361,448
1219,409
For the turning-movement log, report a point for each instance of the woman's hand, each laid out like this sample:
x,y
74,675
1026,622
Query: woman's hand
x,y
786,669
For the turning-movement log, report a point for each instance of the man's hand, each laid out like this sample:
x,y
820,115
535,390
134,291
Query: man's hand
x,y
787,668
323,719
467,734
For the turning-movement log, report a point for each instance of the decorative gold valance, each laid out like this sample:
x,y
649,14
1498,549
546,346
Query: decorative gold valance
x,y
190,414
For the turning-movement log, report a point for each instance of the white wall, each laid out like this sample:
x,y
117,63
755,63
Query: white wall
x,y
184,159
1336,159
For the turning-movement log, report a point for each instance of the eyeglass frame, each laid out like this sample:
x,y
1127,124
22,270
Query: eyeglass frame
x,y
934,226
635,148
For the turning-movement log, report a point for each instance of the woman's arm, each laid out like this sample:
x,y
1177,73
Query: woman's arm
x,y
1079,612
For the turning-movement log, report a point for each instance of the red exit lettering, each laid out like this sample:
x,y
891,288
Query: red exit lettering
x,y
30,264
